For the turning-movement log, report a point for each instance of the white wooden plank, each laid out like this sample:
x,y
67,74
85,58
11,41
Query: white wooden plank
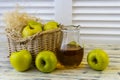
x,y
96,17
101,19
95,24
28,4
3,39
83,72
101,31
2,30
97,3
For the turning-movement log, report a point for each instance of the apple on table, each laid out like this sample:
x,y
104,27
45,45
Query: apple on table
x,y
46,61
98,59
21,60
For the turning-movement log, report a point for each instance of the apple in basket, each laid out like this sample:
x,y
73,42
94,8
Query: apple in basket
x,y
98,59
50,25
32,28
21,60
46,61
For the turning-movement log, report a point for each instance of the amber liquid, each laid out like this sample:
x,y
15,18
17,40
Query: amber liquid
x,y
70,56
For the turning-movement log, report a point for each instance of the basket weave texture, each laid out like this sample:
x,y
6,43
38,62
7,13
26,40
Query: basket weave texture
x,y
46,40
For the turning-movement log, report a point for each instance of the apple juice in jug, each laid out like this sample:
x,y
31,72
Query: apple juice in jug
x,y
71,52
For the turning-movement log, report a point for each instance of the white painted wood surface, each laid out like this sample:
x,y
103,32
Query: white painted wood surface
x,y
99,19
83,72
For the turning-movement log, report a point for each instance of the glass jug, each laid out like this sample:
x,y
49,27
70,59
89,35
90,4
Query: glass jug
x,y
71,51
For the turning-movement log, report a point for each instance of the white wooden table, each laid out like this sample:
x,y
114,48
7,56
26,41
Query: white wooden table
x,y
83,72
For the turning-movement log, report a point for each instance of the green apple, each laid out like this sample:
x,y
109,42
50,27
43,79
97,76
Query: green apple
x,y
46,61
50,25
33,22
21,60
73,43
32,28
98,59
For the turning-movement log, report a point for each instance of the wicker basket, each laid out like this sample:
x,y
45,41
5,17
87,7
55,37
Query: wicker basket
x,y
46,40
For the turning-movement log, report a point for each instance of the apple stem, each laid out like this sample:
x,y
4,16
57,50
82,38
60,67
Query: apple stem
x,y
43,62
95,60
31,27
